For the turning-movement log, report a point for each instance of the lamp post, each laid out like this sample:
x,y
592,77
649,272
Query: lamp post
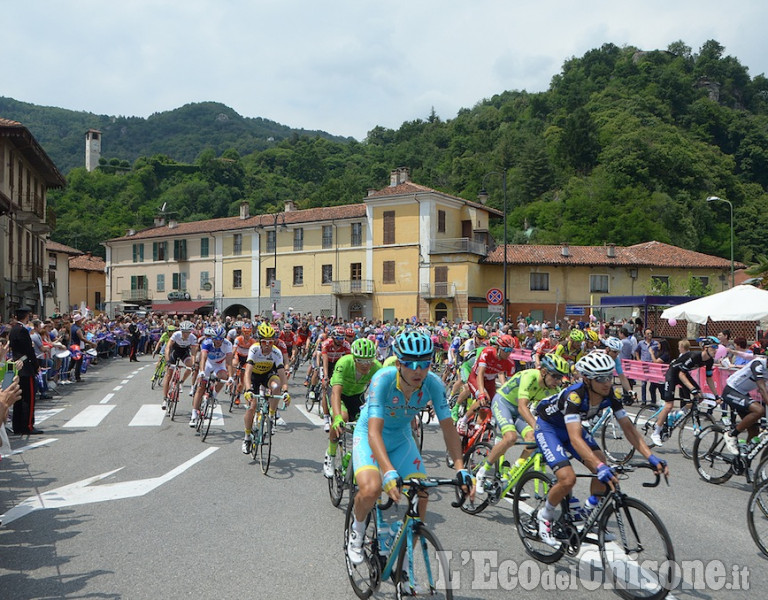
x,y
483,197
276,217
730,205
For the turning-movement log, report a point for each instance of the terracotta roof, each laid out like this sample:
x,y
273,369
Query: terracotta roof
x,y
87,262
9,123
310,215
409,188
52,246
647,254
27,145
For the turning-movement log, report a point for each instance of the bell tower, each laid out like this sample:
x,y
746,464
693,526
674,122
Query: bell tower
x,y
92,149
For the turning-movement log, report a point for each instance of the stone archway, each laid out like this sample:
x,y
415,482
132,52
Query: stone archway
x,y
355,310
237,309
441,311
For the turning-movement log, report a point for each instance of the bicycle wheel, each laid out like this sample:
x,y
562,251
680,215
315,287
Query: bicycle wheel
x,y
366,576
422,567
530,496
173,399
473,460
233,395
711,457
417,429
757,517
203,408
760,474
645,423
265,453
156,376
336,483
640,561
690,428
207,417
256,442
616,446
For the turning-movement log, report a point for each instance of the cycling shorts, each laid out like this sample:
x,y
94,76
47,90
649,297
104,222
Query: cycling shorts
x,y
489,385
508,416
179,353
262,379
213,369
242,359
401,449
738,401
554,442
352,405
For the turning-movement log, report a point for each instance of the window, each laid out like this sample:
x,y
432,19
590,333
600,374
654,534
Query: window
x,y
357,234
389,227
139,282
702,279
440,221
237,245
159,250
179,282
179,249
51,260
389,271
356,271
138,253
203,278
539,282
270,276
237,278
598,284
327,236
298,275
271,240
160,282
298,238
204,249
327,271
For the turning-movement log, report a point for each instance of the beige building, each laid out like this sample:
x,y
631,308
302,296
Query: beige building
x,y
87,282
26,174
57,302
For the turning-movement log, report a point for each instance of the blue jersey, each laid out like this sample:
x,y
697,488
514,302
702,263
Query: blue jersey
x,y
572,406
216,355
385,400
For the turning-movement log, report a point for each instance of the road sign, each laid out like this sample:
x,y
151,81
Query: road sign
x,y
495,296
495,309
572,310
274,290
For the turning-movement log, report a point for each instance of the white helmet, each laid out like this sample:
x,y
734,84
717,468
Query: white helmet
x,y
186,326
595,365
613,343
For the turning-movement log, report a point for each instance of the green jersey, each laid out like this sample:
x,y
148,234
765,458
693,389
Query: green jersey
x,y
525,384
345,374
390,362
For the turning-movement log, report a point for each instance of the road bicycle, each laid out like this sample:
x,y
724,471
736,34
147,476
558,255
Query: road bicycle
x,y
635,548
618,449
505,477
314,394
757,516
261,445
716,464
690,421
234,394
343,471
174,388
157,376
412,557
207,407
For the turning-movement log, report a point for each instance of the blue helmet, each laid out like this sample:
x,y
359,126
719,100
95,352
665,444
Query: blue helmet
x,y
413,345
219,333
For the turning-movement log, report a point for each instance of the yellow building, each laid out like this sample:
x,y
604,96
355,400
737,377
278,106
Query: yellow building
x,y
87,281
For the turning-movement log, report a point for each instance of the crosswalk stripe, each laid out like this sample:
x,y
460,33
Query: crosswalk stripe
x,y
218,417
90,416
42,415
107,398
149,415
311,417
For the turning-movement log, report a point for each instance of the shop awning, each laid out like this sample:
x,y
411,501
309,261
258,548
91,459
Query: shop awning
x,y
183,307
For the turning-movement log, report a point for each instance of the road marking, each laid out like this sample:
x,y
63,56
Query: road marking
x,y
82,492
107,398
42,415
30,447
123,382
218,417
117,388
149,415
311,417
90,416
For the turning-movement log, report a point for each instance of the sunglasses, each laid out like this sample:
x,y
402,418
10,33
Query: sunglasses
x,y
364,361
416,364
603,379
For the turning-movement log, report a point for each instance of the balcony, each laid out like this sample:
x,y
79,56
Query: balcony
x,y
457,246
438,290
352,287
134,295
31,209
27,276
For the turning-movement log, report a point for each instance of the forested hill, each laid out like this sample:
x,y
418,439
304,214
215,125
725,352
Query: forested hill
x,y
180,134
624,147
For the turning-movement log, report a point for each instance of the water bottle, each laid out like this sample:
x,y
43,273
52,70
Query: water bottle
x,y
679,415
671,419
345,460
311,394
589,506
574,506
385,541
281,404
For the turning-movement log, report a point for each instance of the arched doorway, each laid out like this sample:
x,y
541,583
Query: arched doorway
x,y
355,311
237,309
441,311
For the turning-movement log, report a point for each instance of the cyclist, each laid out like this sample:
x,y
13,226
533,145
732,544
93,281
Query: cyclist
x,y
289,339
559,429
350,379
242,345
384,342
613,348
267,370
513,403
383,443
571,349
179,347
331,351
160,346
216,359
679,373
736,395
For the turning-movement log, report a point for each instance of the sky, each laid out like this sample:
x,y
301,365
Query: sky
x,y
342,66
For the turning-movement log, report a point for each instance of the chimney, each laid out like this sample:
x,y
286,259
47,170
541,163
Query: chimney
x,y
159,221
131,232
290,206
611,251
172,224
245,210
399,175
371,192
564,250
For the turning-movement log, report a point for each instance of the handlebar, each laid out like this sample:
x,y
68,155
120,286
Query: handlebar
x,y
415,485
626,469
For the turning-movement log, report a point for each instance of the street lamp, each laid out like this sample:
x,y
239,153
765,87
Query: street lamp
x,y
277,217
730,205
483,197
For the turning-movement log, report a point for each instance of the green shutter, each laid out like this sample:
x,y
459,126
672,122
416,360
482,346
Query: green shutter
x,y
133,282
154,251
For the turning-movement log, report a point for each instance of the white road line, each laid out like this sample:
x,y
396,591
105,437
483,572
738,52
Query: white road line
x,y
107,398
90,416
218,417
123,382
149,415
117,388
313,418
42,415
44,442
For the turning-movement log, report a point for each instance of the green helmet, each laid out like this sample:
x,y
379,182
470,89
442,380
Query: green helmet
x,y
363,348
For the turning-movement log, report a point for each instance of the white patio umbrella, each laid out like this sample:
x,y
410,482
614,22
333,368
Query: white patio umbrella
x,y
740,303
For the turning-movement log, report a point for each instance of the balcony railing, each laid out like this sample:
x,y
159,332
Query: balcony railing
x,y
456,246
351,287
32,206
134,295
438,290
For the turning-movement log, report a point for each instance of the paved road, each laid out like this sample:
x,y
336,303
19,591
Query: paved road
x,y
172,517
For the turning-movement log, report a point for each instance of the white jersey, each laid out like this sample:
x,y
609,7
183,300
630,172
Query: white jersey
x,y
745,379
177,339
264,363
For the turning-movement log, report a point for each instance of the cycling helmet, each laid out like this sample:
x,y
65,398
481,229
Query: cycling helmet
x,y
577,335
247,327
363,348
596,364
613,343
338,333
555,364
219,332
171,328
413,346
481,333
463,334
505,341
709,342
592,335
265,331
186,326
493,340
209,332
